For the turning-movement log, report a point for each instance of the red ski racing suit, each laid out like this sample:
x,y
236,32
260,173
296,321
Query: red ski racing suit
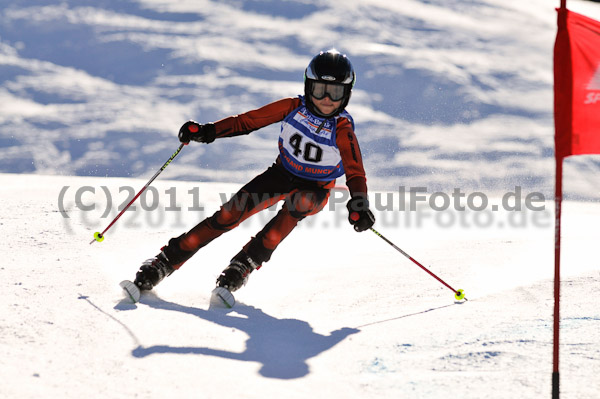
x,y
314,151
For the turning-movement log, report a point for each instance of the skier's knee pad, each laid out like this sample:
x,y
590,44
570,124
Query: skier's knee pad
x,y
305,203
233,212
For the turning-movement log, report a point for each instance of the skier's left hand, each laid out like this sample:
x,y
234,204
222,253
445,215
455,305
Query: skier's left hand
x,y
359,214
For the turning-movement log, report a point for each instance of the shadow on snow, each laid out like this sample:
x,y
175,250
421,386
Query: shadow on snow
x,y
282,346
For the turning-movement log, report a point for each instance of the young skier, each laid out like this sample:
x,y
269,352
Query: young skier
x,y
317,144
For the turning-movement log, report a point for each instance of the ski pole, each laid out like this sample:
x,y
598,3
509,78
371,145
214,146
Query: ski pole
x,y
100,236
458,294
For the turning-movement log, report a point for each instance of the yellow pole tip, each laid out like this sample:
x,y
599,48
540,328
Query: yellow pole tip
x,y
459,295
98,237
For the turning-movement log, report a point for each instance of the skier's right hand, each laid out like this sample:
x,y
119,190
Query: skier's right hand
x,y
192,130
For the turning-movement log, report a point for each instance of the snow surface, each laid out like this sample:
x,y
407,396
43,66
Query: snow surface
x,y
334,314
450,94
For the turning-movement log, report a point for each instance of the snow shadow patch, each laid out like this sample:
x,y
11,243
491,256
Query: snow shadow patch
x,y
281,346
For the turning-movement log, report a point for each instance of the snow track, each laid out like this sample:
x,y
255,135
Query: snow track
x,y
351,319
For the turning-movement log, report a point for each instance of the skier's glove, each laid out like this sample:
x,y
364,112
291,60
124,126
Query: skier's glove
x,y
192,130
359,214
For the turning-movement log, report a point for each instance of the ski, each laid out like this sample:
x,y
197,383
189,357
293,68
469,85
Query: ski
x,y
131,290
222,296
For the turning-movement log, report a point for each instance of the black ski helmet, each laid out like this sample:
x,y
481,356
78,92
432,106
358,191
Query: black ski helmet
x,y
330,67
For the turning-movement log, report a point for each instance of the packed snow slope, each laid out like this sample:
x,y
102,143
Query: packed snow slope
x,y
449,93
334,314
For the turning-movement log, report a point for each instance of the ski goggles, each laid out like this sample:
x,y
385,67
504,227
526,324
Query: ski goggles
x,y
335,91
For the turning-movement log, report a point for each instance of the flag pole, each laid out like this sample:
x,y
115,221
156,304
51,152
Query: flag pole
x,y
557,233
556,328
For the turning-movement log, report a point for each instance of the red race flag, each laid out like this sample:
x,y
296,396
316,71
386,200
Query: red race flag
x,y
577,85
576,120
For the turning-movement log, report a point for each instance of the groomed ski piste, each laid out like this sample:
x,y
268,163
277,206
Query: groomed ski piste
x,y
334,314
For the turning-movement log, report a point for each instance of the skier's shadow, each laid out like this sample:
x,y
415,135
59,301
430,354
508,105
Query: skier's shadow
x,y
282,346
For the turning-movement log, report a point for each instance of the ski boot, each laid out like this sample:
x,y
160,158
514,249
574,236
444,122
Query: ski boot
x,y
153,271
233,278
236,274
